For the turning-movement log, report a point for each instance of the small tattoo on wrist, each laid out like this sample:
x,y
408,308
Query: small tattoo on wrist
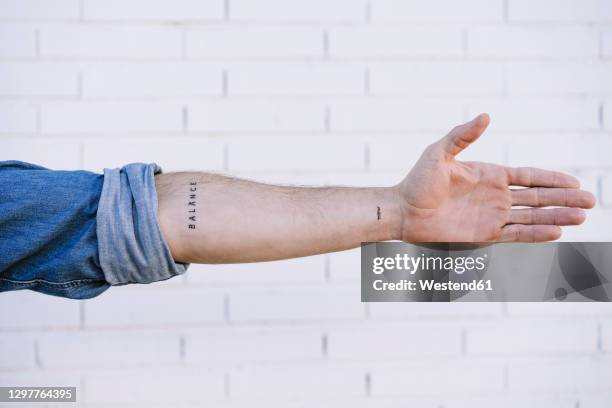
x,y
378,213
191,205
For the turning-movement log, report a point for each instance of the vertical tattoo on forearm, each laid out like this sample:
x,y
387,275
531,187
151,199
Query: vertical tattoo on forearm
x,y
378,213
191,205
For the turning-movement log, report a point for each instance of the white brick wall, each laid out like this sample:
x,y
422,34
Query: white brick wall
x,y
110,41
394,42
39,9
142,80
38,79
95,348
225,115
298,11
110,117
254,42
560,10
22,44
164,10
606,44
298,79
297,91
437,11
532,42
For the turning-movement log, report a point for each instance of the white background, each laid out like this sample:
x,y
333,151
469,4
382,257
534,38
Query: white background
x,y
306,92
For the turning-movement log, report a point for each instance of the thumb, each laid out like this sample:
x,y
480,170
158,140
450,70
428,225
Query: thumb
x,y
463,135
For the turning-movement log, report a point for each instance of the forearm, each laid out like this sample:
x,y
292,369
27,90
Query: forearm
x,y
208,218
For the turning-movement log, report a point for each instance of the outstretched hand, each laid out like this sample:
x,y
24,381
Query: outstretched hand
x,y
446,200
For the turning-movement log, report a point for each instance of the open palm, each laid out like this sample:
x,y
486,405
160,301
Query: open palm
x,y
445,200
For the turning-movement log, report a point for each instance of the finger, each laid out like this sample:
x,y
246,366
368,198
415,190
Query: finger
x,y
544,197
552,216
532,177
463,135
530,233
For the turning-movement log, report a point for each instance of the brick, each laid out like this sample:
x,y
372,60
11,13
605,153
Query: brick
x,y
595,399
94,41
151,80
109,117
345,266
16,351
331,402
560,10
35,310
298,304
589,179
394,42
38,79
567,375
395,114
253,345
591,230
293,271
547,309
39,9
107,349
444,78
607,116
394,342
297,382
606,44
157,10
154,386
295,154
606,336
532,42
244,42
40,378
569,151
397,152
143,306
57,154
256,116
475,310
511,400
553,114
425,378
437,10
17,41
554,78
539,338
299,11
365,179
17,117
172,154
606,190
291,79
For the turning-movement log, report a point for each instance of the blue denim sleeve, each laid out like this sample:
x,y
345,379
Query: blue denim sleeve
x,y
76,233
48,230
130,243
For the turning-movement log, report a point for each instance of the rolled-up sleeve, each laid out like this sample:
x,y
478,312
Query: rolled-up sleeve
x,y
131,246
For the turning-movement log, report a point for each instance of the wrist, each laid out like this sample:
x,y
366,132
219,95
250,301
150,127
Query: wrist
x,y
396,214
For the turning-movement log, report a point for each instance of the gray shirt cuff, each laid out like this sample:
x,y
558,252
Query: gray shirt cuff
x,y
131,246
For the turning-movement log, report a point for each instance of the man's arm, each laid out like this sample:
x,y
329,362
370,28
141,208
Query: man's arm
x,y
208,218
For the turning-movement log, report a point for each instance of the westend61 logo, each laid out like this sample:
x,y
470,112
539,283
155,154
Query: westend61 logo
x,y
472,272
